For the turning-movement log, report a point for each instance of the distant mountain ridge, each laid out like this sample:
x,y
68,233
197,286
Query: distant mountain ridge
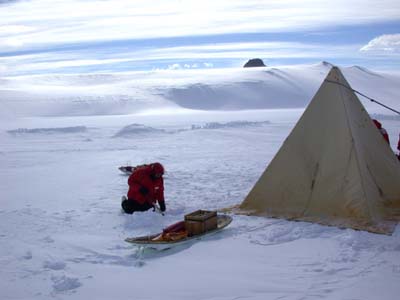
x,y
211,89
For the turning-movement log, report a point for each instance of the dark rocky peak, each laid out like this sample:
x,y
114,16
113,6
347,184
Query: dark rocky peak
x,y
254,62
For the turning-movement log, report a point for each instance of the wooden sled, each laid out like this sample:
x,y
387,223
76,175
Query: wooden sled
x,y
150,241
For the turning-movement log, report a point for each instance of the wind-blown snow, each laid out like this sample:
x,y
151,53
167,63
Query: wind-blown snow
x,y
220,89
21,131
94,94
135,129
62,229
232,124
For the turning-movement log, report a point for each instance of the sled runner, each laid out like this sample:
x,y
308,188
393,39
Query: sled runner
x,y
168,239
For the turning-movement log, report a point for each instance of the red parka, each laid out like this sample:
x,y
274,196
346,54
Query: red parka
x,y
145,187
382,130
385,135
398,144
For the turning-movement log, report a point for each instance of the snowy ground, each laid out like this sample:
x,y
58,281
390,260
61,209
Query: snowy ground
x,y
62,230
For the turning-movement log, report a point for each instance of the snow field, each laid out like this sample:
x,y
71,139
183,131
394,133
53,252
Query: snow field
x,y
62,229
66,238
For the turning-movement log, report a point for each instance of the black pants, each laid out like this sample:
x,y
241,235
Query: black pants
x,y
130,206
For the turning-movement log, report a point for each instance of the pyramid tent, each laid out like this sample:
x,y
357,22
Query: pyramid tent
x,y
334,168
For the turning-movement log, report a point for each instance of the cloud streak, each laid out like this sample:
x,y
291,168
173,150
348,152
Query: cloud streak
x,y
61,35
387,43
51,22
194,55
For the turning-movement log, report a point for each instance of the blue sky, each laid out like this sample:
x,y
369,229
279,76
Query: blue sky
x,y
75,36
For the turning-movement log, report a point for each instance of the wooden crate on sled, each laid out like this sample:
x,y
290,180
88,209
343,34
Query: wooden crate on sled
x,y
200,221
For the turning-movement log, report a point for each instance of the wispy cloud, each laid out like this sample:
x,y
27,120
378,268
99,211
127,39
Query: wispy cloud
x,y
178,66
45,35
387,43
268,50
196,56
75,21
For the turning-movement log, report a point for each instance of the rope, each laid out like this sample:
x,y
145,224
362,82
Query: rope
x,y
361,94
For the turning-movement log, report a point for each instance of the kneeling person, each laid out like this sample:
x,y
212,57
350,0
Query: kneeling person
x,y
146,187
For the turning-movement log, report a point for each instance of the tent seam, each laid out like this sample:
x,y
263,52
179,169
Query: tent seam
x,y
355,148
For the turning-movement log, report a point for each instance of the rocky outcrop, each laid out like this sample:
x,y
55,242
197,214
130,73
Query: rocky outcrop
x,y
255,62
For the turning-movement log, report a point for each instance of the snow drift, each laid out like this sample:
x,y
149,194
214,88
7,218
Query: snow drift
x,y
220,89
22,131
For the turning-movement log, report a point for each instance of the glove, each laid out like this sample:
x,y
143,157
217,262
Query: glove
x,y
157,209
162,206
144,191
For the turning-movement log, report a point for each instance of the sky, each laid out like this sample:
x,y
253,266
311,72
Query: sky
x,y
85,36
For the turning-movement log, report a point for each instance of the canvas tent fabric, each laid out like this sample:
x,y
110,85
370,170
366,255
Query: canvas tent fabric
x,y
334,168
